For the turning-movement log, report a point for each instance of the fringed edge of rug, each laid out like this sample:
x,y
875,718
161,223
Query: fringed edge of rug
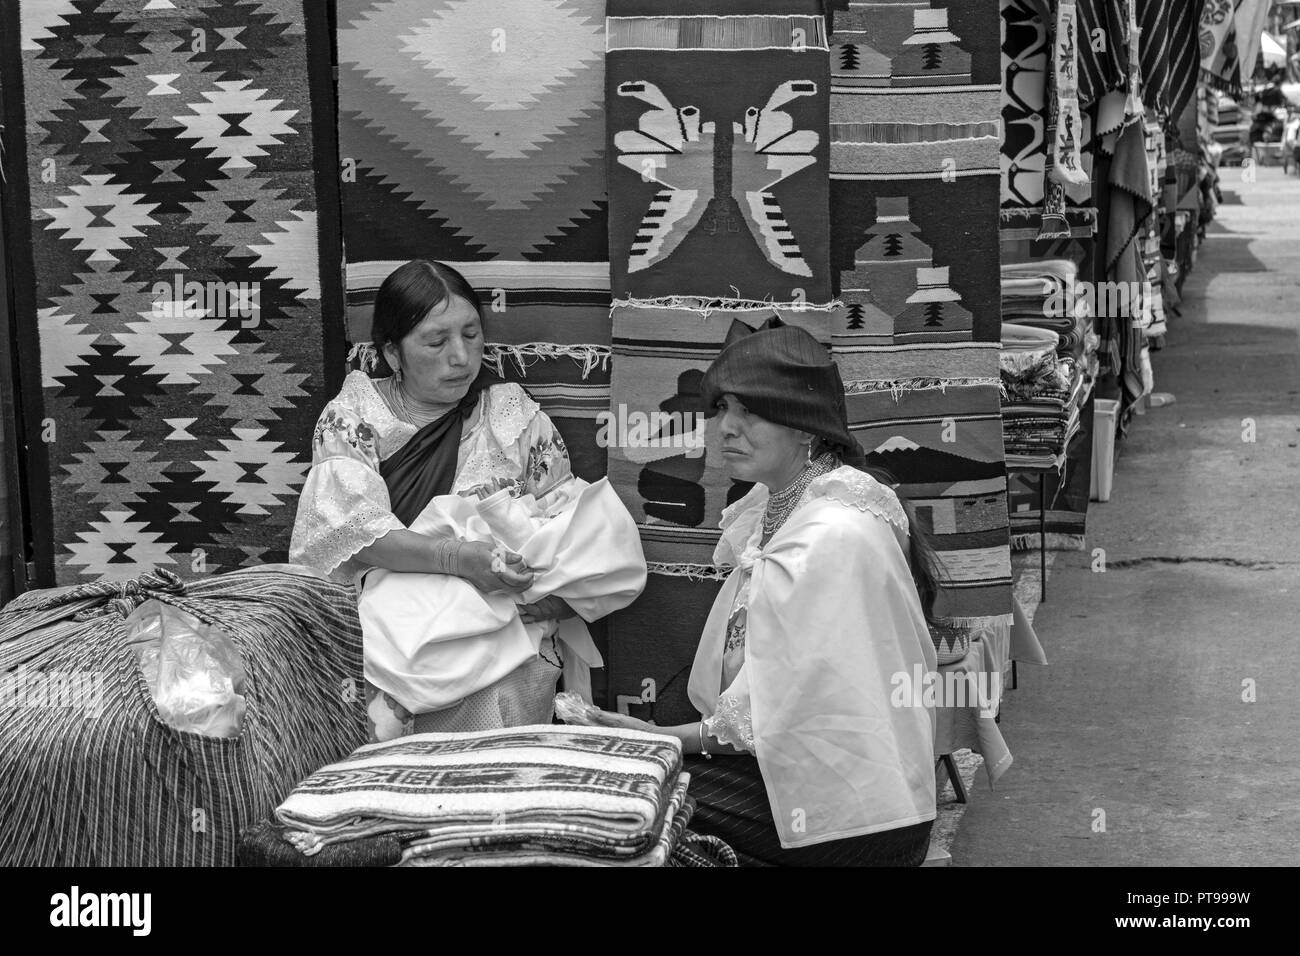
x,y
1085,214
706,306
990,622
523,354
1056,541
695,572
1054,226
899,387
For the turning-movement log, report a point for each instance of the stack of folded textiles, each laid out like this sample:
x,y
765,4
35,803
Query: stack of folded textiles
x,y
541,795
1042,395
1044,294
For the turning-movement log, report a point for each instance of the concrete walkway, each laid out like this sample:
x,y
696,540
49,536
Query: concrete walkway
x,y
1140,713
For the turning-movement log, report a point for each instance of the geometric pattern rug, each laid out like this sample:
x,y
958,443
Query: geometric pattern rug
x,y
179,325
915,172
1024,126
473,131
718,151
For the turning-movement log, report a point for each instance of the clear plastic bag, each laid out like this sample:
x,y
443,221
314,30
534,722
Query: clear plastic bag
x,y
572,709
192,668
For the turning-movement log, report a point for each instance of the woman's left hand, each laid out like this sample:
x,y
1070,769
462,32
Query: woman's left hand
x,y
549,608
605,718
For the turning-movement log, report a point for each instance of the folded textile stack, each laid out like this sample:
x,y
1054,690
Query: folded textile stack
x,y
1042,395
1044,294
541,795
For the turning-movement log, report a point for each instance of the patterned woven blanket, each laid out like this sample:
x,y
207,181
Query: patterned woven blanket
x,y
596,789
679,810
171,190
718,150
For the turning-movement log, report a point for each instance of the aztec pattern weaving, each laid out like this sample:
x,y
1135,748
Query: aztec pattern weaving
x,y
474,134
174,338
914,159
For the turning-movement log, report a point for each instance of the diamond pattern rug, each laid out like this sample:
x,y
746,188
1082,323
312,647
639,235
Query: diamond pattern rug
x,y
473,131
168,163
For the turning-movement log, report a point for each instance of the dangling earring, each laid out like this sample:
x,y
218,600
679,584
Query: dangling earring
x,y
397,375
810,453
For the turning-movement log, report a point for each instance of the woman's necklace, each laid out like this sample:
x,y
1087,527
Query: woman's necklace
x,y
781,504
409,410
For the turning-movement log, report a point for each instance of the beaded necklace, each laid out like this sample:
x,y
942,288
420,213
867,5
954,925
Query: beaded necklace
x,y
413,413
781,504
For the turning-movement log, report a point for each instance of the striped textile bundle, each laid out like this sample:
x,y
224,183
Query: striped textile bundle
x,y
90,775
1170,52
1103,66
596,791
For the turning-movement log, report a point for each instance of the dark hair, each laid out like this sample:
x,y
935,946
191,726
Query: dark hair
x,y
409,293
927,573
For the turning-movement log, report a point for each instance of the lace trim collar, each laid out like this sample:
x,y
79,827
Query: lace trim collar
x,y
857,489
742,521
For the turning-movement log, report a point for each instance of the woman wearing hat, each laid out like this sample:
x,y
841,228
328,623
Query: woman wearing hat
x,y
801,756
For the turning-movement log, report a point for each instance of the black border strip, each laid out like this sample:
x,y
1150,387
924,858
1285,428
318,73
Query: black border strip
x,y
23,335
318,20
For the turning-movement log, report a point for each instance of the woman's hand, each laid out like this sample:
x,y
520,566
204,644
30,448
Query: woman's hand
x,y
550,608
605,718
474,564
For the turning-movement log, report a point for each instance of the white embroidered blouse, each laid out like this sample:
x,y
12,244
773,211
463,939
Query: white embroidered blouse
x,y
742,526
508,442
831,618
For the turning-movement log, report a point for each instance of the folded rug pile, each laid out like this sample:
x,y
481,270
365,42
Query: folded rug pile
x,y
1042,393
1045,294
534,795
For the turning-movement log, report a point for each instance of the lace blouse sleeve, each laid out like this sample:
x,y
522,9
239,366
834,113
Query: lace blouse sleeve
x,y
731,721
344,505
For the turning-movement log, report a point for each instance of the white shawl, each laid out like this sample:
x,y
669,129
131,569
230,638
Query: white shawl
x,y
832,615
432,639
